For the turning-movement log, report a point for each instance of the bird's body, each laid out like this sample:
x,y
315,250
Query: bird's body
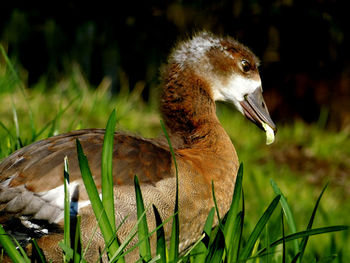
x,y
199,71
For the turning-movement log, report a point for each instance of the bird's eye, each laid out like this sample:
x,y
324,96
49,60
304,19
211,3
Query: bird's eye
x,y
245,65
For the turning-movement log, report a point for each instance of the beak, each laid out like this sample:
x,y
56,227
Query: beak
x,y
255,109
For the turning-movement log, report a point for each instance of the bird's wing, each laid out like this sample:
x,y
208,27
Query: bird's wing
x,y
35,173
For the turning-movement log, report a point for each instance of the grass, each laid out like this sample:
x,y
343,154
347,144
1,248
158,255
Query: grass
x,y
301,161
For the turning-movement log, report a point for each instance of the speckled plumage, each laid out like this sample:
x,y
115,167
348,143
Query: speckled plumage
x,y
198,72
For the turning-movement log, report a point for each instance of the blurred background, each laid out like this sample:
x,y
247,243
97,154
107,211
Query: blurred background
x,y
303,45
65,65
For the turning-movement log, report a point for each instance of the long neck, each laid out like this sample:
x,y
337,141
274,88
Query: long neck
x,y
189,113
189,110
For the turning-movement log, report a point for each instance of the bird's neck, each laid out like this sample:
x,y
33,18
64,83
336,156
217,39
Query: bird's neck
x,y
190,115
189,110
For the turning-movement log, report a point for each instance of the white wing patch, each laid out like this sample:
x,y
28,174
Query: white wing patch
x,y
55,197
47,205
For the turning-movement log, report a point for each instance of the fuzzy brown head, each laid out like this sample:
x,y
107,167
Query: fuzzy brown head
x,y
220,68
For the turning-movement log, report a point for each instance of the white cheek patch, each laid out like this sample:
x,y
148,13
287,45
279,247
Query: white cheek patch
x,y
234,89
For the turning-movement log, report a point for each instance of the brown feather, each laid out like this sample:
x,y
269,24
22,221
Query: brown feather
x,y
30,178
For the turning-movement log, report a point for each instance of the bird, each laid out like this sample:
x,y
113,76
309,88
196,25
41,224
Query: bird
x,y
200,70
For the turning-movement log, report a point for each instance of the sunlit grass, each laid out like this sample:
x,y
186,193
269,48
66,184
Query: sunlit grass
x,y
300,177
72,104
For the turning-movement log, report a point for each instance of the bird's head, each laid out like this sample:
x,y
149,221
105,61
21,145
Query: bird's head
x,y
231,70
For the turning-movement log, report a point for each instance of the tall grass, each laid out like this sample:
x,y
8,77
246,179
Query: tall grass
x,y
250,231
225,243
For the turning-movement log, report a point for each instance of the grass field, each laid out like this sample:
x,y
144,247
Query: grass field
x,y
302,160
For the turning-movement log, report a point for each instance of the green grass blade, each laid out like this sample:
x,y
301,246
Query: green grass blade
x,y
67,251
175,236
155,259
234,249
118,254
304,241
15,120
267,242
161,245
11,142
92,234
107,170
231,226
51,132
288,213
18,81
208,226
53,123
106,229
283,241
170,146
10,248
175,231
9,64
21,250
296,258
216,204
77,241
233,252
144,244
301,234
131,235
217,248
330,259
258,229
66,232
188,256
199,252
37,253
234,205
7,131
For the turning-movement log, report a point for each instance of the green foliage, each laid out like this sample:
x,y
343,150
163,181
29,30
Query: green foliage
x,y
304,241
10,248
144,244
66,244
77,256
233,227
288,213
71,243
161,244
214,252
37,253
240,237
99,210
175,231
224,240
107,170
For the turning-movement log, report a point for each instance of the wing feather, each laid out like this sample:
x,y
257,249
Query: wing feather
x,y
38,168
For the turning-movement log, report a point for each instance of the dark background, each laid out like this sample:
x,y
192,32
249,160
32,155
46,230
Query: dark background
x,y
303,45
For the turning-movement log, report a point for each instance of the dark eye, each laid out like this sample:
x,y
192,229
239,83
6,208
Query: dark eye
x,y
245,65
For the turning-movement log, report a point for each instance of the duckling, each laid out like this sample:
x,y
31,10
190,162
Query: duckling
x,y
201,70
